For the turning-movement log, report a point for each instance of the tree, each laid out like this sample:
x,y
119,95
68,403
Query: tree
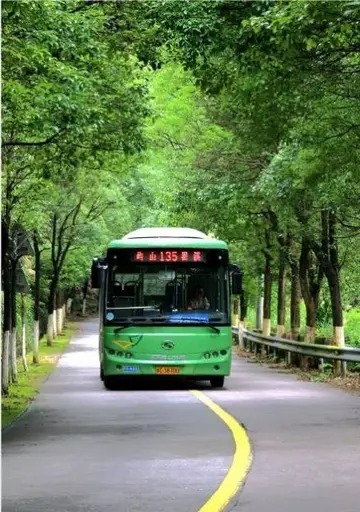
x,y
69,97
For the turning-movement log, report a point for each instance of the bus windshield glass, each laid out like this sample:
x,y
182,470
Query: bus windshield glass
x,y
167,294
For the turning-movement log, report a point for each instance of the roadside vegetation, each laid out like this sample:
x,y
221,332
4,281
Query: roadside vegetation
x,y
21,394
241,119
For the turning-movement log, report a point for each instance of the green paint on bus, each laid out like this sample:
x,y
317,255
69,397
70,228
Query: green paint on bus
x,y
164,305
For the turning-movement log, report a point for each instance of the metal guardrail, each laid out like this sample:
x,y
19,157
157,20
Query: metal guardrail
x,y
331,352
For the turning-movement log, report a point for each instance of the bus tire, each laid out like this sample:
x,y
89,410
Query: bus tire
x,y
101,374
217,382
110,382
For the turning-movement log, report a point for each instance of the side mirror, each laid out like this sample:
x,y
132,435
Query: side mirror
x,y
236,284
236,280
96,273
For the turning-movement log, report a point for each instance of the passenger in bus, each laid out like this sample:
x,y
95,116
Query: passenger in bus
x,y
199,301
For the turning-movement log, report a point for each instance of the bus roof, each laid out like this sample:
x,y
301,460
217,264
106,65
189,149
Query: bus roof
x,y
167,237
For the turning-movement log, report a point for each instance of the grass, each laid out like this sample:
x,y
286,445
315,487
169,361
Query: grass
x,y
24,391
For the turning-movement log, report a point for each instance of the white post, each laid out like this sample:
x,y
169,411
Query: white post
x,y
68,305
55,333
59,321
266,330
84,307
50,329
260,313
339,341
280,330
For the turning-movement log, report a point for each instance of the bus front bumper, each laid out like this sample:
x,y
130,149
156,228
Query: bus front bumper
x,y
116,366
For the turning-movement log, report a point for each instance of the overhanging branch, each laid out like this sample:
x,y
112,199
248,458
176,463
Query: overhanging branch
x,y
49,140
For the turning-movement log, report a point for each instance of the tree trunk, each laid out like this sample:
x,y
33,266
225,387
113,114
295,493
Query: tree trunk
x,y
336,307
295,301
36,341
259,313
59,320
5,353
36,301
332,270
85,289
13,349
68,305
327,254
5,362
51,307
267,297
59,312
54,317
243,308
332,274
310,279
281,301
59,250
50,330
23,333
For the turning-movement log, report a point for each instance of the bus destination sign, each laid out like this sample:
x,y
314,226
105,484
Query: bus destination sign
x,y
169,256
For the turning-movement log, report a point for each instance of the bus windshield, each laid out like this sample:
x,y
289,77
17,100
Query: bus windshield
x,y
167,294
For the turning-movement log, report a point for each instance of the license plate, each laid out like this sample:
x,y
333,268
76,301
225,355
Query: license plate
x,y
167,370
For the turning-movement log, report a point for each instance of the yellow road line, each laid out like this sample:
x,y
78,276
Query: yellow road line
x,y
241,460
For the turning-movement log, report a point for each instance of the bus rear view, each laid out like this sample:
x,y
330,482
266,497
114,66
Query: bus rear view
x,y
165,306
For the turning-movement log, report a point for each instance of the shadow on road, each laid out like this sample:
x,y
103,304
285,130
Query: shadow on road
x,y
146,383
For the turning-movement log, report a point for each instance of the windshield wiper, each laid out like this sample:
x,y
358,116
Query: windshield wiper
x,y
124,308
213,327
206,324
118,329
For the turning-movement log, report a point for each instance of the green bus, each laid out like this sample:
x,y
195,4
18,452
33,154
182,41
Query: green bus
x,y
164,305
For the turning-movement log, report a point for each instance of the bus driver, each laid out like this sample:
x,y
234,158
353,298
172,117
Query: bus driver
x,y
199,301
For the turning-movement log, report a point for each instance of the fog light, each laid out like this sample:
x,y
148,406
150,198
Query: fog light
x,y
217,367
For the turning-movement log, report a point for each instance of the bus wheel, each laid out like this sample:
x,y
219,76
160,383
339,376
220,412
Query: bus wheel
x,y
101,374
217,382
110,383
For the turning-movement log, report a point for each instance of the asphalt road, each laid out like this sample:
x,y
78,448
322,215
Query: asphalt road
x,y
159,449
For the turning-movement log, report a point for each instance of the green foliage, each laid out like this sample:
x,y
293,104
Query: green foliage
x,y
58,86
74,104
279,82
352,327
236,118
